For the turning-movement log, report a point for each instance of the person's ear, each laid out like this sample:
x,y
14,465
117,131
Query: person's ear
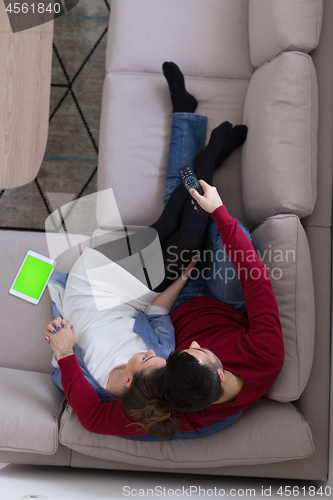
x,y
221,375
128,381
194,345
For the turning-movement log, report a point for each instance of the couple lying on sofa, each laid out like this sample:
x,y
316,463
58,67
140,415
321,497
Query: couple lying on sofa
x,y
218,316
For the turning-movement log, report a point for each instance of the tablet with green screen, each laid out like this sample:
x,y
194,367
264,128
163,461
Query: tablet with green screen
x,y
32,277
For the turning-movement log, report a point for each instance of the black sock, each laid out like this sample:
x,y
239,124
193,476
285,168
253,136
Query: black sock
x,y
205,161
182,101
170,219
236,139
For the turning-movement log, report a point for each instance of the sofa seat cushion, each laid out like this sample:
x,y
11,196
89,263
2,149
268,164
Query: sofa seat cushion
x,y
278,25
31,406
279,157
282,244
195,34
134,142
14,311
267,432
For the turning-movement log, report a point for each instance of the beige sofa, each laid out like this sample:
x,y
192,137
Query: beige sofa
x,y
245,61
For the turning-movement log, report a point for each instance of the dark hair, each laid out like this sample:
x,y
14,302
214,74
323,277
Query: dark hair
x,y
145,401
189,384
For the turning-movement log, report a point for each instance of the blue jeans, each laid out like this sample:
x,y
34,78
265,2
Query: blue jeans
x,y
220,281
188,135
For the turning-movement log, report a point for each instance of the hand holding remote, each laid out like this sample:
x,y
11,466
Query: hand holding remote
x,y
188,178
210,200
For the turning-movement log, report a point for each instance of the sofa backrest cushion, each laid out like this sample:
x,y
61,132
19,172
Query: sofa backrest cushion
x,y
282,244
279,157
279,25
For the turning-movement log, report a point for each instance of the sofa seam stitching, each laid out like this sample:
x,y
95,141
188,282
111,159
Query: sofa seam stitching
x,y
146,73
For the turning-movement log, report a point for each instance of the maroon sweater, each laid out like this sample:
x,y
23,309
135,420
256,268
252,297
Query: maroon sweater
x,y
250,348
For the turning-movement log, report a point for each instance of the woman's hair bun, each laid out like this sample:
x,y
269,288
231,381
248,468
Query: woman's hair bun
x,y
145,401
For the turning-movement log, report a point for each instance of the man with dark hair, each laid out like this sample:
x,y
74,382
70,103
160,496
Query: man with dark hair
x,y
220,319
199,385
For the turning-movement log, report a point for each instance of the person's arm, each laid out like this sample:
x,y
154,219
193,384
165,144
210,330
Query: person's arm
x,y
168,297
265,331
158,313
95,415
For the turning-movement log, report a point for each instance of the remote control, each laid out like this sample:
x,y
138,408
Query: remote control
x,y
190,181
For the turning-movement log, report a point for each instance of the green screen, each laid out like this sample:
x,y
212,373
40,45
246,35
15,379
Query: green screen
x,y
32,277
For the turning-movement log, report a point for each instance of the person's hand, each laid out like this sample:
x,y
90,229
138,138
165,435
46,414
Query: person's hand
x,y
186,273
210,200
60,334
